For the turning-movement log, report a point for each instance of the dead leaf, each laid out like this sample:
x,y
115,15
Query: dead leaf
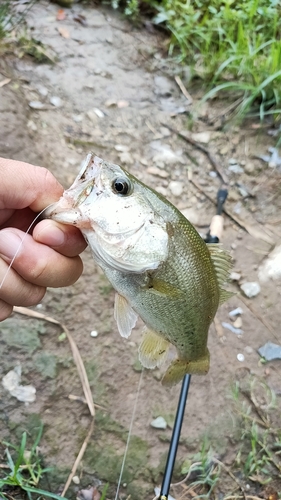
x,y
89,494
63,32
4,82
61,15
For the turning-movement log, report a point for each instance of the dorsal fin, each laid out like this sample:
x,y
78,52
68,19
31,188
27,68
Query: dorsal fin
x,y
222,261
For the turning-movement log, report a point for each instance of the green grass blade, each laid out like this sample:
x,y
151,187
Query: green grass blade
x,y
43,493
10,461
21,453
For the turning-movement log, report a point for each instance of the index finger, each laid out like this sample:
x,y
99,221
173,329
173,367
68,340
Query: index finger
x,y
25,185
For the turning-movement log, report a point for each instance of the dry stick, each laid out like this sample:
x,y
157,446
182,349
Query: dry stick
x,y
78,458
201,148
183,89
83,378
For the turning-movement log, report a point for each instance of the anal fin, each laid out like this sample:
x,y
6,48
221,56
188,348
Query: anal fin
x,y
153,349
180,367
124,315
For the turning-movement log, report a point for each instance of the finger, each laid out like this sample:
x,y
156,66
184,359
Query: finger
x,y
5,310
15,291
24,185
66,240
37,263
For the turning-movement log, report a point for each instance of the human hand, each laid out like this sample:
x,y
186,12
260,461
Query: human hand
x,y
47,258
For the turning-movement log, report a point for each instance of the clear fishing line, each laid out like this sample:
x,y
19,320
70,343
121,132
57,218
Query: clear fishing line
x,y
129,436
21,243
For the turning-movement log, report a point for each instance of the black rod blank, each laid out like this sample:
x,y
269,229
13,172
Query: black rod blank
x,y
175,439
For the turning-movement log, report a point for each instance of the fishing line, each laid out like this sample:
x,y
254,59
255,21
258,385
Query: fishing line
x,y
129,436
21,243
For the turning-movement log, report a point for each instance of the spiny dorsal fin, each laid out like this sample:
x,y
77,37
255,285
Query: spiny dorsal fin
x,y
222,263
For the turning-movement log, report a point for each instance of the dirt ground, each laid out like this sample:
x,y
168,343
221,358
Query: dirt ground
x,y
116,92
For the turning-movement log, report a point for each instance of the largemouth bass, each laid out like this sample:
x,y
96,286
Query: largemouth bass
x,y
158,264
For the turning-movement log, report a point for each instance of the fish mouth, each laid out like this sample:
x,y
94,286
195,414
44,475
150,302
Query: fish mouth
x,y
67,210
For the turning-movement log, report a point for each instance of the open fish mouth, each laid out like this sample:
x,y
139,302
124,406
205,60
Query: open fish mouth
x,y
67,210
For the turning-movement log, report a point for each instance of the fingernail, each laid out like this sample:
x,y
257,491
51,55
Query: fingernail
x,y
10,244
51,235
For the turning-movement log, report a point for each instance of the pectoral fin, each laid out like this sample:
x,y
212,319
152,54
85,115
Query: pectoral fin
x,y
153,349
180,367
124,315
162,287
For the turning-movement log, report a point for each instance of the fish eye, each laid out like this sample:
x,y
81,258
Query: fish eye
x,y
121,186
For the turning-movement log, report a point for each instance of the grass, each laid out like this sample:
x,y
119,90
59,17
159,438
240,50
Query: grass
x,y
255,468
24,471
233,46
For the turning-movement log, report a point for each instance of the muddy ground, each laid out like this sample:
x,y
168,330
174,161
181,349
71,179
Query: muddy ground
x,y
116,91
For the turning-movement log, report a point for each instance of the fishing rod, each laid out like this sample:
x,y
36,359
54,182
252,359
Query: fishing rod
x,y
213,236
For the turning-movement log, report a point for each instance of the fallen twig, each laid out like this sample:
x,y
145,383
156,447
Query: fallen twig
x,y
201,148
78,458
183,89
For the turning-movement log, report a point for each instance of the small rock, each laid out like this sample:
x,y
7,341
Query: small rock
x,y
238,322
203,137
144,161
213,174
250,289
36,105
224,150
31,125
165,132
77,118
270,351
233,246
232,161
249,168
241,357
99,113
237,208
76,480
233,195
159,423
248,349
176,188
271,268
164,86
121,147
235,312
109,103
126,157
56,101
235,276
94,333
157,171
228,326
92,116
236,169
43,91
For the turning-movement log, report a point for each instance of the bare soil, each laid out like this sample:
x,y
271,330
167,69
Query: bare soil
x,y
122,71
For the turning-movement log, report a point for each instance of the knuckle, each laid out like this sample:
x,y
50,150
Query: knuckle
x,y
32,297
5,310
